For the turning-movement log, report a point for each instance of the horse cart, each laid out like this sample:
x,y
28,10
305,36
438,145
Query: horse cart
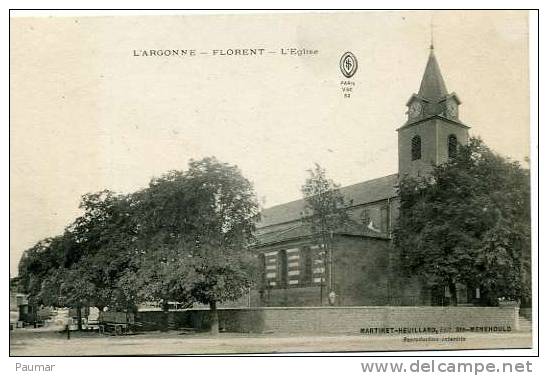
x,y
117,323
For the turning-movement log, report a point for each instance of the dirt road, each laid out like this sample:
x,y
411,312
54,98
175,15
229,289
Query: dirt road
x,y
44,342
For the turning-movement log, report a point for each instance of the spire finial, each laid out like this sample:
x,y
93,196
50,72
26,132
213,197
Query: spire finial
x,y
431,34
432,85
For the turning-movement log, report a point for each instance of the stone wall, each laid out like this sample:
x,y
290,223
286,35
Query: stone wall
x,y
527,313
363,276
338,320
361,271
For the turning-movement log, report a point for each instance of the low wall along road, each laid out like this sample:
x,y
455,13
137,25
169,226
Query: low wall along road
x,y
338,320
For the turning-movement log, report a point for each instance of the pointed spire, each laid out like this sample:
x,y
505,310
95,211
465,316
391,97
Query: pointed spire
x,y
432,85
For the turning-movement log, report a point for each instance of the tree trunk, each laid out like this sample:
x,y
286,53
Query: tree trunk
x,y
79,315
164,325
323,276
321,291
453,292
213,318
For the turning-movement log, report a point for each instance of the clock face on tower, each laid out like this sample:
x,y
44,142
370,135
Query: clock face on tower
x,y
415,109
452,109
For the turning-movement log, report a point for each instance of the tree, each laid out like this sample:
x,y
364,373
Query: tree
x,y
104,247
36,267
326,212
195,228
185,238
82,266
469,223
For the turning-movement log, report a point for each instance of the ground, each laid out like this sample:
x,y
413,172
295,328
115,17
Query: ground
x,y
29,342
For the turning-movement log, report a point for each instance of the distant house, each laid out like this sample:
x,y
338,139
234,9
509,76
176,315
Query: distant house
x,y
19,304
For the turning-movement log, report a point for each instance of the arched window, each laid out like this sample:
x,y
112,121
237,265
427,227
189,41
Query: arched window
x,y
306,256
282,268
416,148
452,146
262,267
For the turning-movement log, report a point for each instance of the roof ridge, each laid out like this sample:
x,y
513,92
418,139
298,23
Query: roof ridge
x,y
343,187
358,194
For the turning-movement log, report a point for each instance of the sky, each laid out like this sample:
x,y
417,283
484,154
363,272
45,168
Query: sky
x,y
86,114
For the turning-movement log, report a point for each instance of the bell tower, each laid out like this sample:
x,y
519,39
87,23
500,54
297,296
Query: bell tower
x,y
433,129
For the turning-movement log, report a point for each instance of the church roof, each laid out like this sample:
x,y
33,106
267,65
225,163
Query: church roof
x,y
432,84
360,193
297,230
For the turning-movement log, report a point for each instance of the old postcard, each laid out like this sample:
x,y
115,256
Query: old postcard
x,y
270,183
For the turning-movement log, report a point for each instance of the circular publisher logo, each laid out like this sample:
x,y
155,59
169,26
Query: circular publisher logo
x,y
348,64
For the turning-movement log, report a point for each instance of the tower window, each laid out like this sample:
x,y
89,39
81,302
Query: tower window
x,y
452,146
415,148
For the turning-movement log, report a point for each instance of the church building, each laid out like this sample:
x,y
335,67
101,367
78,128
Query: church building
x,y
361,268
